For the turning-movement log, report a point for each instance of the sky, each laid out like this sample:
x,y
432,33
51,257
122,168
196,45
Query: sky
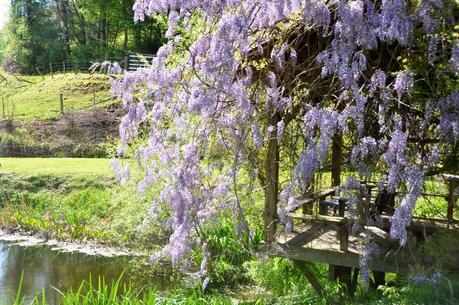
x,y
3,11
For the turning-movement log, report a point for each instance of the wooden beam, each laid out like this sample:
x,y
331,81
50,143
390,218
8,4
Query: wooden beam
x,y
337,157
336,258
452,198
319,218
343,237
417,223
311,279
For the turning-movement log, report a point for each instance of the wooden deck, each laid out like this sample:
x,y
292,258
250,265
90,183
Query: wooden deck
x,y
326,239
320,242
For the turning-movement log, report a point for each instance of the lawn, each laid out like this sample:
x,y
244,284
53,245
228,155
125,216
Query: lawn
x,y
38,97
56,166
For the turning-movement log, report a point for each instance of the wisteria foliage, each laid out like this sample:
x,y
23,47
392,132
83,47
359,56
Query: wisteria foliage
x,y
217,98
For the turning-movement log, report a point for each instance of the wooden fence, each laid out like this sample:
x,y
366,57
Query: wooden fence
x,y
130,62
8,109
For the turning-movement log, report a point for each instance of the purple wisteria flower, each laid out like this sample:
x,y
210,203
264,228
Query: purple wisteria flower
x,y
455,58
423,278
404,83
217,98
448,127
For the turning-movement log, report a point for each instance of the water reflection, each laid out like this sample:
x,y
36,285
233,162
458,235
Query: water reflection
x,y
51,271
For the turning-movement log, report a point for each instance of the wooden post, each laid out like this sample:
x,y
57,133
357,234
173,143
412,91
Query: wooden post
x,y
271,165
63,66
379,279
51,68
342,274
38,70
337,155
62,103
341,207
126,62
311,279
343,237
453,183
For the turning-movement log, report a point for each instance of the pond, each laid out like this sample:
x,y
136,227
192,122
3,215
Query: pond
x,y
53,271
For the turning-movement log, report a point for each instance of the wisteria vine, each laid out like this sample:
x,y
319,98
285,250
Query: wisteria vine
x,y
258,69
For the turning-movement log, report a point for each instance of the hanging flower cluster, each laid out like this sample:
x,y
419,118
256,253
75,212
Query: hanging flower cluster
x,y
247,78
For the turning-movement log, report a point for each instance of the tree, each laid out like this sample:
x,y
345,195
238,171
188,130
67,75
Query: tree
x,y
49,31
31,34
265,75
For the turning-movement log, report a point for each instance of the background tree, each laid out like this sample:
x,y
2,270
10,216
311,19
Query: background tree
x,y
40,32
31,34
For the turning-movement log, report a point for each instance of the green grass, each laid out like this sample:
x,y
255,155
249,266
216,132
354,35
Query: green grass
x,y
69,207
56,166
69,199
36,97
101,293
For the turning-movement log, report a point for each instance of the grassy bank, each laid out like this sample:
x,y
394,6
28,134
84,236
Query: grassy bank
x,y
70,199
38,97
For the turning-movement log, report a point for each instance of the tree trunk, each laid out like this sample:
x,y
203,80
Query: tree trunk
x,y
272,182
103,24
337,155
138,38
126,38
63,10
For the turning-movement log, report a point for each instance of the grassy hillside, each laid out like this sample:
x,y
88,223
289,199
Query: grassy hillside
x,y
38,97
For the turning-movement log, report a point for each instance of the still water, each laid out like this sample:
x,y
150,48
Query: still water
x,y
52,271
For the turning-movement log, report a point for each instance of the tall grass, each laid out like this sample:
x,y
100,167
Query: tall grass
x,y
100,293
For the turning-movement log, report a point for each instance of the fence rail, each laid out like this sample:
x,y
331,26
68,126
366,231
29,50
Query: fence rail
x,y
130,62
9,111
138,61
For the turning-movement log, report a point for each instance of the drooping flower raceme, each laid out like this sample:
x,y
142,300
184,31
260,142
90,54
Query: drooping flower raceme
x,y
240,84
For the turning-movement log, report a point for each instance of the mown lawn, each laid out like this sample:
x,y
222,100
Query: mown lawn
x,y
37,97
56,166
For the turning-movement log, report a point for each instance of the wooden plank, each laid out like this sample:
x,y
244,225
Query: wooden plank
x,y
346,259
343,237
306,200
324,192
319,218
307,236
